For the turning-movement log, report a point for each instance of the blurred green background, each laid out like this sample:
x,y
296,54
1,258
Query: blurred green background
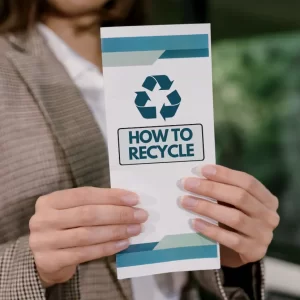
x,y
230,18
256,73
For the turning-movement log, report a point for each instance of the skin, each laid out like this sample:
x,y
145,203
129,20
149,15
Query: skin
x,y
78,225
78,23
247,212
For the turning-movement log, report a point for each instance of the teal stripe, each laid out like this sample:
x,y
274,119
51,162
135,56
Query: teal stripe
x,y
169,54
140,248
154,43
166,255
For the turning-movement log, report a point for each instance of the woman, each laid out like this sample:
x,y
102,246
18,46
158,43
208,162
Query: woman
x,y
58,220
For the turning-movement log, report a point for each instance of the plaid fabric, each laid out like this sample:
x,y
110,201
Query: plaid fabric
x,y
49,141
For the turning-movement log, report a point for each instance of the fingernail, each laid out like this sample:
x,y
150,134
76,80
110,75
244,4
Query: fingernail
x,y
133,230
122,245
180,183
190,183
197,171
209,171
131,199
140,215
189,202
199,225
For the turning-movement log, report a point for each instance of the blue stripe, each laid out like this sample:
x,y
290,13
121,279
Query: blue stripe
x,y
169,54
153,43
166,255
139,248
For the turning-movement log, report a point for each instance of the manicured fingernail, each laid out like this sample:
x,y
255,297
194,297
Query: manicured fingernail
x,y
199,225
131,199
197,171
208,171
180,183
133,230
140,215
189,202
122,245
190,183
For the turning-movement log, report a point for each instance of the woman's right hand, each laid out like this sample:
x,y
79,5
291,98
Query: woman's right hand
x,y
74,226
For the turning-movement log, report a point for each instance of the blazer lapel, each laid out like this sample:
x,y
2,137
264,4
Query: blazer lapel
x,y
74,127
66,112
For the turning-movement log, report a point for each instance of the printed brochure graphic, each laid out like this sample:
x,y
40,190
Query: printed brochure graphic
x,y
160,126
161,144
167,110
170,248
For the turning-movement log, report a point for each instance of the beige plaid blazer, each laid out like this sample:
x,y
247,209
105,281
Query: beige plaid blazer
x,y
49,141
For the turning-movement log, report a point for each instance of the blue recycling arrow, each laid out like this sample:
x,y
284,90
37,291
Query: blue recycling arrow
x,y
147,112
174,98
140,101
141,98
169,111
150,112
149,83
164,82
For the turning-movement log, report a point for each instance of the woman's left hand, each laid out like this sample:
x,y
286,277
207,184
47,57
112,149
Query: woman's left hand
x,y
246,211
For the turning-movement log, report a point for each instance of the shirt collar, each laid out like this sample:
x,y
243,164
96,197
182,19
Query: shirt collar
x,y
73,62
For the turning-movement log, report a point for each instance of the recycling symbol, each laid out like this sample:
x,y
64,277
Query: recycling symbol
x,y
150,112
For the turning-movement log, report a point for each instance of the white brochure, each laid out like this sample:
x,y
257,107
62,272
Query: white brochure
x,y
160,126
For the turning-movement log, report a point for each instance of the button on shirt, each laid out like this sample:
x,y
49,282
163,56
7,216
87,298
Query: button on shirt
x,y
89,80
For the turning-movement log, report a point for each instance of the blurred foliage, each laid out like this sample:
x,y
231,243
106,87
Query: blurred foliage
x,y
230,18
256,97
257,117
236,18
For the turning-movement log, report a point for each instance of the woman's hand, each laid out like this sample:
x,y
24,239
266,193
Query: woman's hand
x,y
247,213
75,226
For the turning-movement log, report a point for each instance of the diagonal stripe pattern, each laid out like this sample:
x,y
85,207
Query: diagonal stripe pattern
x,y
141,51
170,248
